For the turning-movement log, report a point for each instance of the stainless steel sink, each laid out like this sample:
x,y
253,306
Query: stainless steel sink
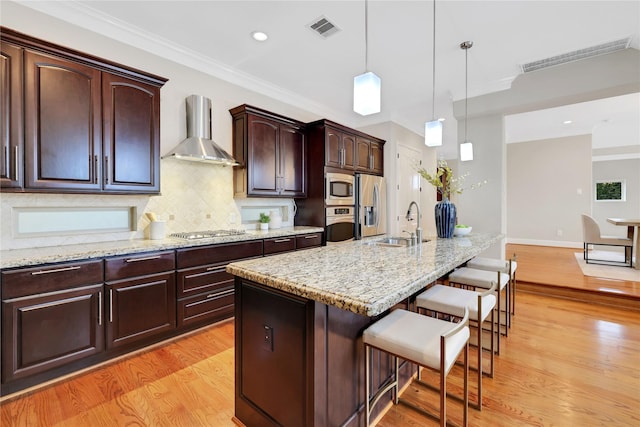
x,y
396,242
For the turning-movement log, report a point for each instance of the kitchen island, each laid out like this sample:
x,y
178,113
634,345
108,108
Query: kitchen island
x,y
299,320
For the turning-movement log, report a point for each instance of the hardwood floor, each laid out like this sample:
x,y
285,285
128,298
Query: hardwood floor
x,y
565,362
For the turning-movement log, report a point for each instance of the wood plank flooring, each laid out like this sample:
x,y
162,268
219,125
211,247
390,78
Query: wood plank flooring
x,y
565,363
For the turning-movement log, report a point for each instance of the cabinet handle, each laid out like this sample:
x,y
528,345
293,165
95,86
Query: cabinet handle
x,y
281,240
217,269
57,270
110,305
340,157
17,163
106,169
313,236
95,169
149,258
100,308
371,161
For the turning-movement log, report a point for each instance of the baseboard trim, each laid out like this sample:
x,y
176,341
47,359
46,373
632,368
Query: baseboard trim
x,y
552,243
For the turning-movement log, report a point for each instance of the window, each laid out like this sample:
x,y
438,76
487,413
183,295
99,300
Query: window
x,y
611,191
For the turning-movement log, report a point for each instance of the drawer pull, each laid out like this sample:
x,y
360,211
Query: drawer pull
x,y
100,308
149,258
282,240
311,237
57,270
217,269
110,305
222,294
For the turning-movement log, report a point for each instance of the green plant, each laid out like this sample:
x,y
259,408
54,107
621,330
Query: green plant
x,y
444,181
264,218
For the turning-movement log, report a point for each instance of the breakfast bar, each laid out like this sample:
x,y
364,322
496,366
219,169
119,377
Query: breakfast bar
x,y
299,319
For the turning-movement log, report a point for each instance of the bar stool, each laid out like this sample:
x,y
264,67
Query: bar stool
x,y
473,279
508,267
454,301
428,342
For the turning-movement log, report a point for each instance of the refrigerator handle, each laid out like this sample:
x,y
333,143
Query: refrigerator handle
x,y
376,204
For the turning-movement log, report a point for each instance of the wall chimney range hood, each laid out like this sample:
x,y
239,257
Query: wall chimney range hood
x,y
198,146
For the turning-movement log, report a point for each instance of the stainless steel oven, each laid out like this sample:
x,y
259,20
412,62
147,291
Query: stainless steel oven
x,y
339,189
341,221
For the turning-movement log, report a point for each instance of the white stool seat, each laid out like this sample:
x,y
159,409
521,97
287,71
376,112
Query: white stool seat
x,y
478,278
493,264
416,338
454,301
429,342
450,300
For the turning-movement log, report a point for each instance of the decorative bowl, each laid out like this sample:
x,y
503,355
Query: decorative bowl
x,y
461,231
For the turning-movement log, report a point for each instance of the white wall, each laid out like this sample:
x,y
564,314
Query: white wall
x,y
548,188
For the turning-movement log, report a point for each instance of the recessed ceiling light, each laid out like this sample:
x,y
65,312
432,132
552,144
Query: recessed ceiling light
x,y
259,36
567,122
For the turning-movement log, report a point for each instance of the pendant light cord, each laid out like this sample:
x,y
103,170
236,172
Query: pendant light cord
x,y
433,90
466,46
366,35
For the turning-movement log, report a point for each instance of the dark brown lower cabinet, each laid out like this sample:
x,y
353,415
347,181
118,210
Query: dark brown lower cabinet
x,y
141,303
51,316
301,362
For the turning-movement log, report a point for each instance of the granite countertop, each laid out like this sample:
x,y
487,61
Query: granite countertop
x,y
52,254
361,276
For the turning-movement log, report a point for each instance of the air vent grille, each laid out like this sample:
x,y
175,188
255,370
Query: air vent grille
x,y
323,27
576,55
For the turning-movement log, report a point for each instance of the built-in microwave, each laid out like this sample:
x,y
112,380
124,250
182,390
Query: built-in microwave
x,y
339,189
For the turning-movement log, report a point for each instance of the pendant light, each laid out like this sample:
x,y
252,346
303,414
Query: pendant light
x,y
433,129
466,147
366,86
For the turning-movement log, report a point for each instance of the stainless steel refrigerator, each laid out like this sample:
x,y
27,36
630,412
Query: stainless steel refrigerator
x,y
371,205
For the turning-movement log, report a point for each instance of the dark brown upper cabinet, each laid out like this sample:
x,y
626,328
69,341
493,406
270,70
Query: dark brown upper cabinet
x,y
89,125
369,156
272,152
340,149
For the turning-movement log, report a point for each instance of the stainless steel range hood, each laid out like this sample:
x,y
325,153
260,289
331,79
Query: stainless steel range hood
x,y
199,147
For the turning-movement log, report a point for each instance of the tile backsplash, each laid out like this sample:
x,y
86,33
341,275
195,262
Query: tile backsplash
x,y
194,196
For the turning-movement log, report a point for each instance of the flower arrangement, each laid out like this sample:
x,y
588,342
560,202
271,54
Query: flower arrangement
x,y
444,181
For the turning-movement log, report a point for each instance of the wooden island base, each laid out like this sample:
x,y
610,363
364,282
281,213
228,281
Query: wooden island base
x,y
300,362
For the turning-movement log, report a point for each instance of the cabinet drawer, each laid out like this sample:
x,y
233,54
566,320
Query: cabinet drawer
x,y
139,265
281,244
216,254
309,241
204,279
205,307
38,280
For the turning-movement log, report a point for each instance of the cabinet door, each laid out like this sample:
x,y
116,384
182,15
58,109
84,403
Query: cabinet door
x,y
293,159
333,144
376,152
131,135
363,158
11,118
62,124
263,157
44,331
349,151
140,308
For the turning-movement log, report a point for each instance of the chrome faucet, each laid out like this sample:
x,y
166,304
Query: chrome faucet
x,y
418,229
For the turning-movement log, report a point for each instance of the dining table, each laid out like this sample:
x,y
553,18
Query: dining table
x,y
632,225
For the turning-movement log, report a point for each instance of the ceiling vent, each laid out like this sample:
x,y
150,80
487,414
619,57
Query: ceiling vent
x,y
323,27
588,52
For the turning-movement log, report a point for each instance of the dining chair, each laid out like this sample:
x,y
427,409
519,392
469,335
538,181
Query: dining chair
x,y
592,237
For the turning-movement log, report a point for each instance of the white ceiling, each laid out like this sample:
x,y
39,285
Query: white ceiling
x,y
299,67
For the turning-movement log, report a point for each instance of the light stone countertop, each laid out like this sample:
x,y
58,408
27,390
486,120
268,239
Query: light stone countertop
x,y
361,276
53,254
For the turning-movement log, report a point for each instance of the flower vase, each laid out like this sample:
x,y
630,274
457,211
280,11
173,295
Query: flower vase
x,y
445,212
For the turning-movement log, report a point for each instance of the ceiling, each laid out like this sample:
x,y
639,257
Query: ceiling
x,y
300,67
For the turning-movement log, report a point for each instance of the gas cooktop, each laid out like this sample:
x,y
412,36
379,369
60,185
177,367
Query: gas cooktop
x,y
191,235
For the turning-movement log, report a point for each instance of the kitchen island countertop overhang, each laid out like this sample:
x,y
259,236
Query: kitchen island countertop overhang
x,y
362,276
